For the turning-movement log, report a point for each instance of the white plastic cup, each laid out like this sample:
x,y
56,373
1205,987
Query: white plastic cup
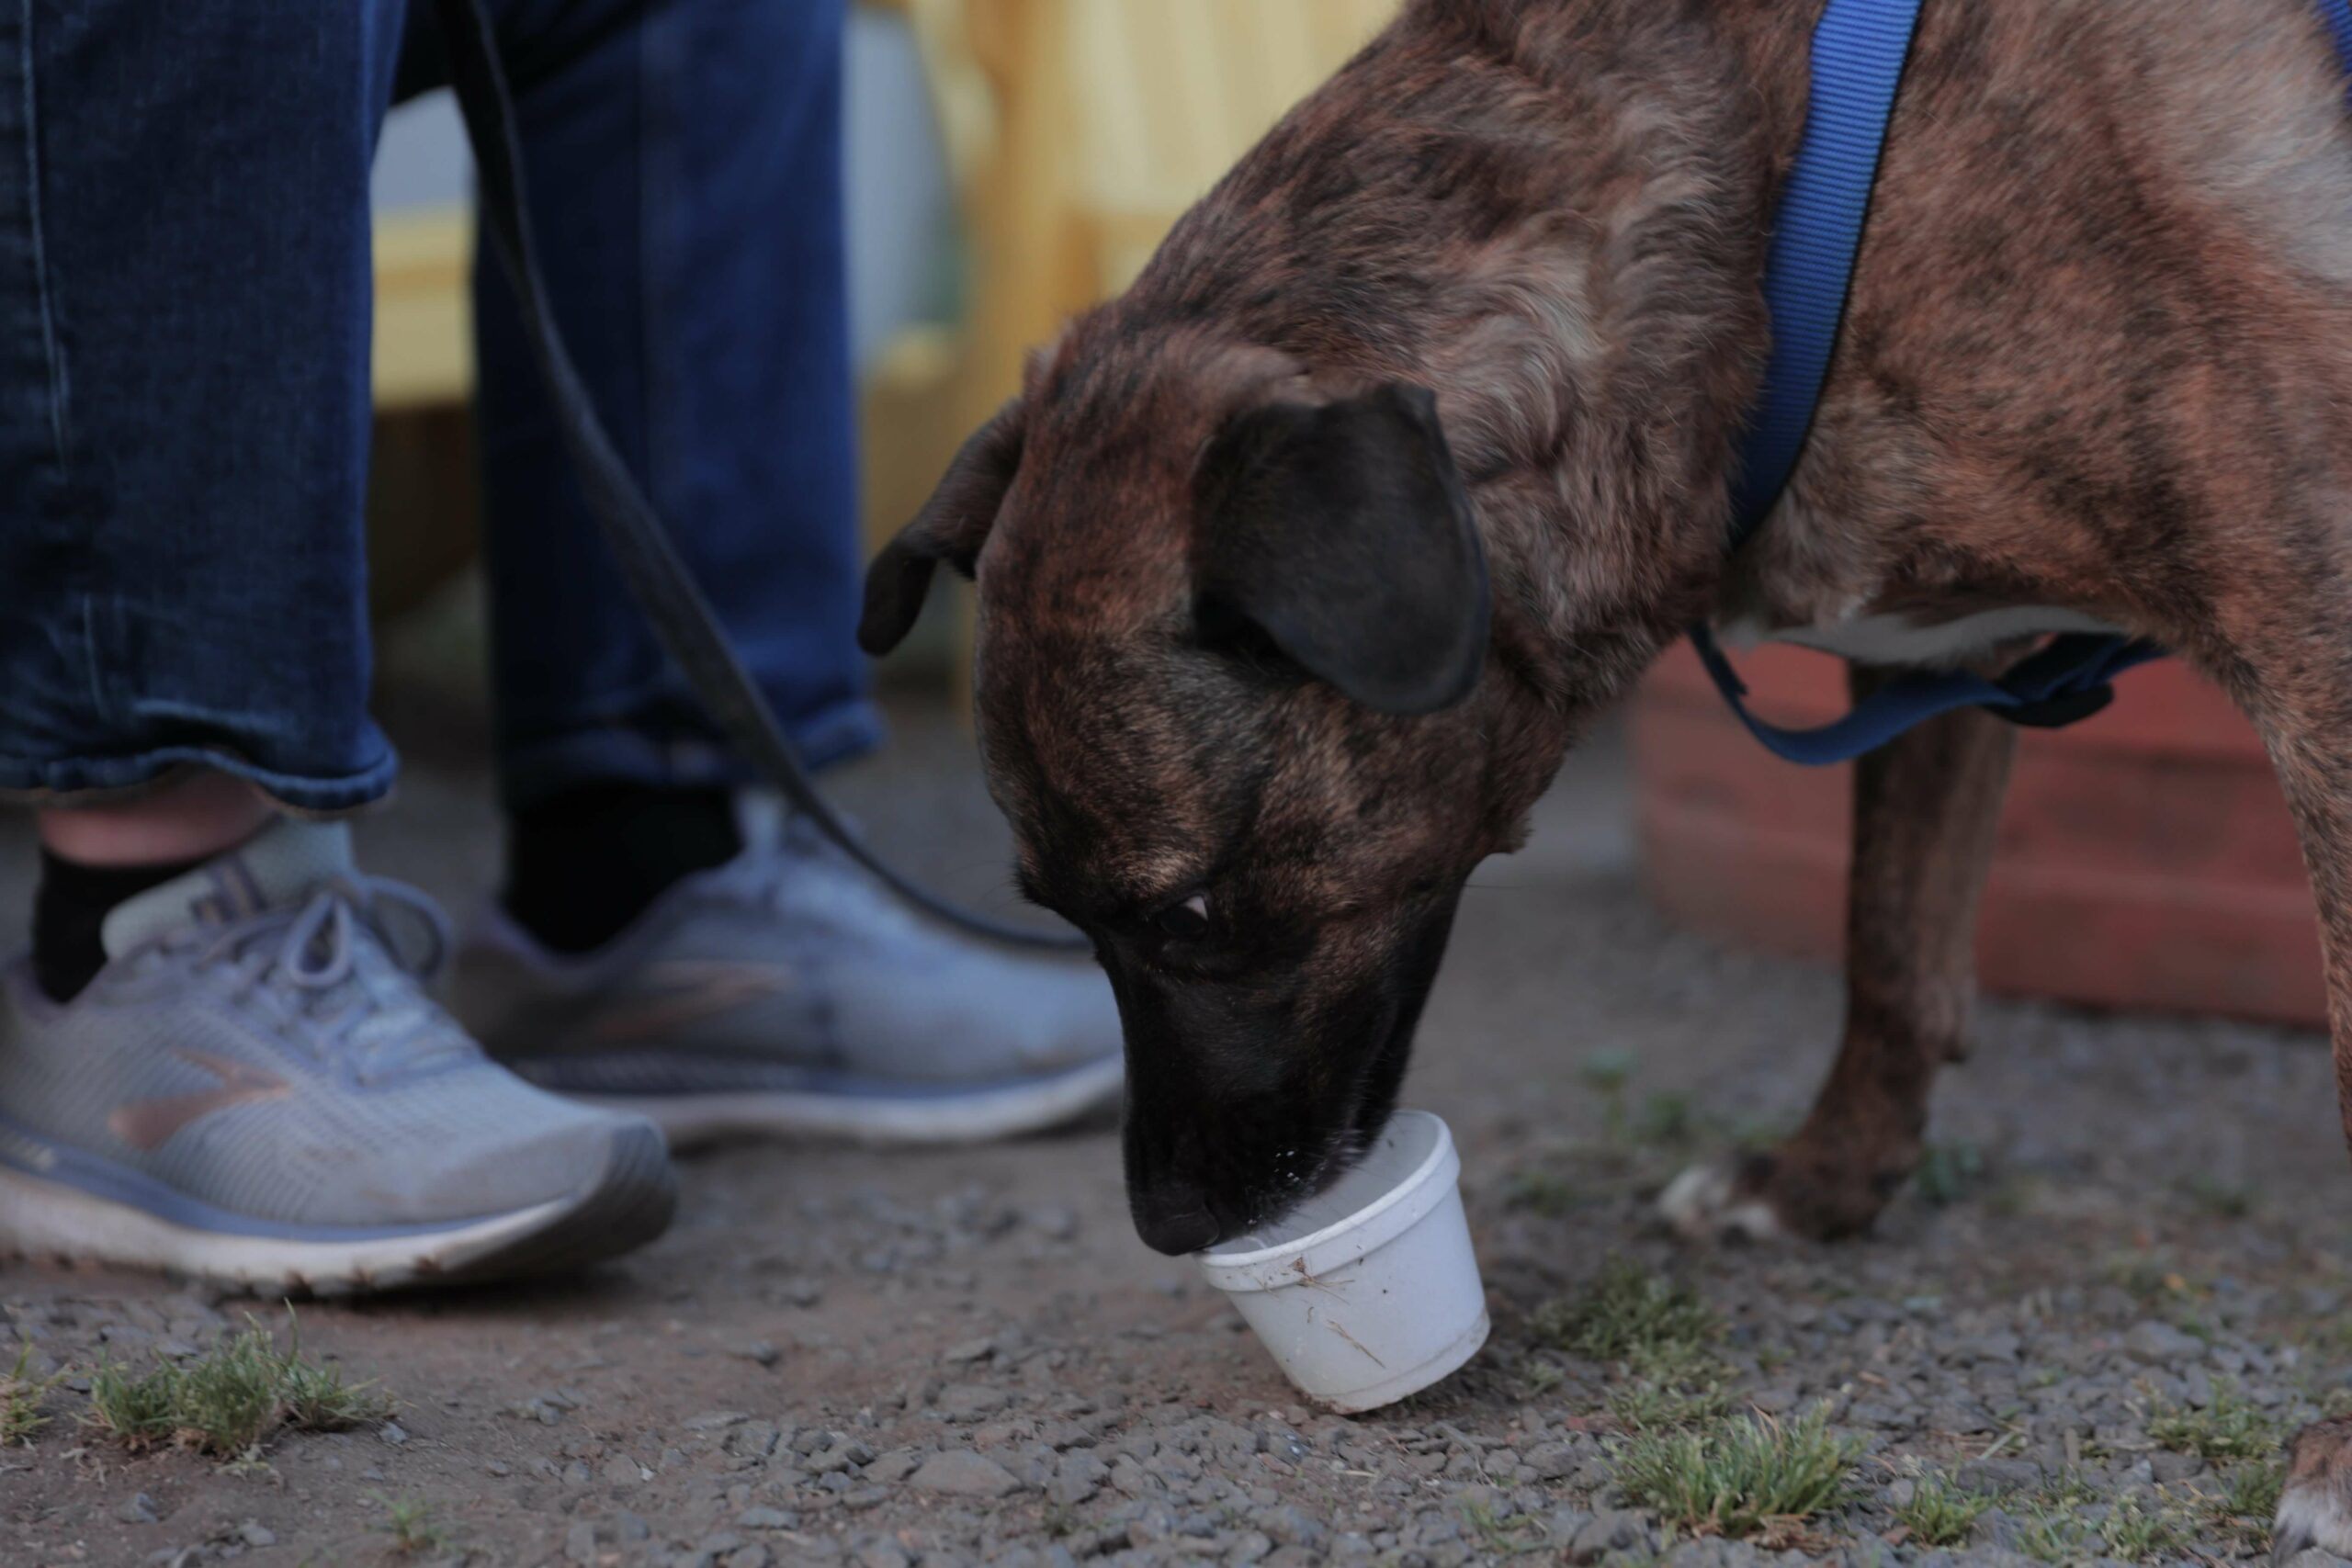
x,y
1368,1291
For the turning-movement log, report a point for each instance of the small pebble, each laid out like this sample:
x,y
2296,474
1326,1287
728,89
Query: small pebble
x,y
959,1472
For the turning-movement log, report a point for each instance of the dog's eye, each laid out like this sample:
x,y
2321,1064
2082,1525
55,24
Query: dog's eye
x,y
1184,921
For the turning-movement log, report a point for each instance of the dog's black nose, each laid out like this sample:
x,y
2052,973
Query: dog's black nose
x,y
1177,1230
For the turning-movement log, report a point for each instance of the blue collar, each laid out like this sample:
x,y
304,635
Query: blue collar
x,y
1858,51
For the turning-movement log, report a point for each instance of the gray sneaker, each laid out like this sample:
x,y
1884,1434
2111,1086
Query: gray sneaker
x,y
787,993
255,1089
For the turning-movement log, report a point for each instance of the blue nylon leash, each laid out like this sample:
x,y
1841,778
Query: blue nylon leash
x,y
1859,48
2337,15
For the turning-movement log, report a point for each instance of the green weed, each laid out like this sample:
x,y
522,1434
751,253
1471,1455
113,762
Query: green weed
x,y
2223,1200
140,1411
1539,1375
2136,1532
1948,1172
2253,1488
230,1401
2230,1427
2249,1501
1666,1119
1607,1072
1627,1312
410,1522
1513,1537
20,1398
1742,1476
1651,1404
2060,1530
1940,1514
1544,1193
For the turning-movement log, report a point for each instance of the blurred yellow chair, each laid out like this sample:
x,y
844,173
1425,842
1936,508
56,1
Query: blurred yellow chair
x,y
1078,131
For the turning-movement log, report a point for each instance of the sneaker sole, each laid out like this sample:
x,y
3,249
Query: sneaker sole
x,y
629,1203
698,1121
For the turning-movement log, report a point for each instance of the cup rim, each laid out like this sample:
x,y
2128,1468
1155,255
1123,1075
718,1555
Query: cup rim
x,y
1347,1225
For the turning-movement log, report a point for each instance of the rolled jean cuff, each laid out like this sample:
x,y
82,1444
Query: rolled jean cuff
x,y
91,781
634,753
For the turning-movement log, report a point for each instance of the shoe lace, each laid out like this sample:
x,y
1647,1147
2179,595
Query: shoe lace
x,y
335,965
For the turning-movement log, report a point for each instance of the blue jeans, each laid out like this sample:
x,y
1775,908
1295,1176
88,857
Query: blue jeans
x,y
184,323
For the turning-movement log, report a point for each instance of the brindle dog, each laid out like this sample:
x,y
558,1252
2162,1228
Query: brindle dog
x,y
1303,562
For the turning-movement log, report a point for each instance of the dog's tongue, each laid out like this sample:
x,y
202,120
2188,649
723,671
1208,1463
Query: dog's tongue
x,y
276,865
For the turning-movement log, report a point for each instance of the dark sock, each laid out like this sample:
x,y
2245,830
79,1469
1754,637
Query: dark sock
x,y
583,864
71,905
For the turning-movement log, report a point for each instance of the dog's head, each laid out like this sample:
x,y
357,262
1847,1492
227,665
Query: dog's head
x,y
1234,694
1273,646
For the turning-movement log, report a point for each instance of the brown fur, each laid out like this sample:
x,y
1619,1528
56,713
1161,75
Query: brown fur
x,y
2098,357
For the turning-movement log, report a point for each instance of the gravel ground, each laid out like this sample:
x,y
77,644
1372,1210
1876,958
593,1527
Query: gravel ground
x,y
2129,1244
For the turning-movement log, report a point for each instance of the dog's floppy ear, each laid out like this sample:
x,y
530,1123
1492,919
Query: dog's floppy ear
x,y
1342,532
952,526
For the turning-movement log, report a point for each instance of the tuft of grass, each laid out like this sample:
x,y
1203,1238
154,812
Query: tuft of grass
x,y
317,1398
1607,1072
1948,1172
1544,1193
1653,1404
140,1411
2231,1426
1940,1514
410,1522
2059,1529
20,1398
1666,1117
1513,1537
1659,1336
2253,1489
1627,1313
1744,1476
1539,1375
2156,1279
231,1400
2136,1532
1669,1384
2210,1194
2249,1501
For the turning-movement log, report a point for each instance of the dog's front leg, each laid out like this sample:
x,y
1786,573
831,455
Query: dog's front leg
x,y
1925,806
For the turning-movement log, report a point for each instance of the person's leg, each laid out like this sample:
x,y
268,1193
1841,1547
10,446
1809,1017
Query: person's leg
x,y
184,397
685,160
218,1057
136,543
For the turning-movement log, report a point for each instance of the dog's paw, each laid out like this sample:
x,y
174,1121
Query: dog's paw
x,y
1710,1202
2315,1508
